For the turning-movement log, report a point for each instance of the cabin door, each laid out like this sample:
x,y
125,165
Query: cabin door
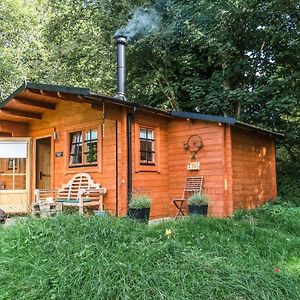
x,y
43,163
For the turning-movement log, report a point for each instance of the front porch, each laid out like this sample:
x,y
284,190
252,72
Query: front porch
x,y
50,133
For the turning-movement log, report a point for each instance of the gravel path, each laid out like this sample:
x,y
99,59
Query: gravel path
x,y
13,220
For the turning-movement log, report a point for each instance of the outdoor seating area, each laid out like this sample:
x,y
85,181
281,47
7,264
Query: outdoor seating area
x,y
81,191
193,185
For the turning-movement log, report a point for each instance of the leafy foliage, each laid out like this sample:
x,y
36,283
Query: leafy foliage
x,y
288,174
80,35
22,49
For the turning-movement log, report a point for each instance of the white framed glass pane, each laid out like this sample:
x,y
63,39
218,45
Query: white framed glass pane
x,y
13,161
91,151
150,156
143,156
78,137
150,146
6,182
143,133
143,145
76,148
150,134
93,134
13,150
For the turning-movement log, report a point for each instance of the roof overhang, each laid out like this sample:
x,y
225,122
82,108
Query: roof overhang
x,y
254,128
131,105
203,117
31,100
224,120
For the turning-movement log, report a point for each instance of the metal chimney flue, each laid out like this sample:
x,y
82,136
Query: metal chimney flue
x,y
121,72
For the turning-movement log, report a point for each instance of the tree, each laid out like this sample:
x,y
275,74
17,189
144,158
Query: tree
x,y
22,53
235,58
80,36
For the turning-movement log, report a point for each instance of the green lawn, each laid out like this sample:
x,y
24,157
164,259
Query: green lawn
x,y
255,255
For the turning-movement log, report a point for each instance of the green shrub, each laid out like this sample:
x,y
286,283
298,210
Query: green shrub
x,y
289,189
198,199
140,201
288,174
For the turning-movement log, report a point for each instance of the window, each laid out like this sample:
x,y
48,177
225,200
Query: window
x,y
147,146
84,147
12,173
13,159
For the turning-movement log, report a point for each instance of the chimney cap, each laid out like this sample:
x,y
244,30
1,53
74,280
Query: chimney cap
x,y
121,38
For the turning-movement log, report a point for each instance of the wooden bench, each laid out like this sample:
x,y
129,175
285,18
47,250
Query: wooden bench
x,y
80,191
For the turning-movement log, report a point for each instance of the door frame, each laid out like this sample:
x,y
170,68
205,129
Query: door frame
x,y
34,155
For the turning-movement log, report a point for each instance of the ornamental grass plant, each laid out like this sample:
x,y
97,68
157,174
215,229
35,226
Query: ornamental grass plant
x,y
198,199
140,200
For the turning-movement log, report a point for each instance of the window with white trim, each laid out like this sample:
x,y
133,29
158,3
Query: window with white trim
x,y
147,146
13,158
84,148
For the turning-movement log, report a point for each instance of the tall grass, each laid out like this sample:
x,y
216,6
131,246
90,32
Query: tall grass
x,y
255,255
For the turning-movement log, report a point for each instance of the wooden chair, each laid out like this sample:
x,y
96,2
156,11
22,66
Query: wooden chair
x,y
44,203
192,185
80,191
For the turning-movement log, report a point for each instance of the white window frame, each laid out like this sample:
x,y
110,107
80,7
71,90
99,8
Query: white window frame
x,y
24,154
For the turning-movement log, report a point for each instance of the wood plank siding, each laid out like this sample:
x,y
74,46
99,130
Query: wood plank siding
x,y
71,116
13,129
153,180
254,168
210,156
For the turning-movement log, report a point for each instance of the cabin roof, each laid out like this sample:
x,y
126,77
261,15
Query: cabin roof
x,y
30,100
203,117
226,120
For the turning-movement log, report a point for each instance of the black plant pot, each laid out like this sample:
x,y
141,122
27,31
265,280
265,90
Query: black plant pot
x,y
141,214
198,209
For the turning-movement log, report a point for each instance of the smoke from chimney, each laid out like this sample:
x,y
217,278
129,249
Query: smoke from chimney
x,y
143,22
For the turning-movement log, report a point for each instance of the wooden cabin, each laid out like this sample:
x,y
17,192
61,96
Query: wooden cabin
x,y
49,133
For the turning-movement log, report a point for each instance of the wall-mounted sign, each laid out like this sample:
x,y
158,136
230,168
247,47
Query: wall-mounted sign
x,y
59,154
193,166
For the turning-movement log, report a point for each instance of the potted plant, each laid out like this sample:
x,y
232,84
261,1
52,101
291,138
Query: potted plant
x,y
139,207
198,204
